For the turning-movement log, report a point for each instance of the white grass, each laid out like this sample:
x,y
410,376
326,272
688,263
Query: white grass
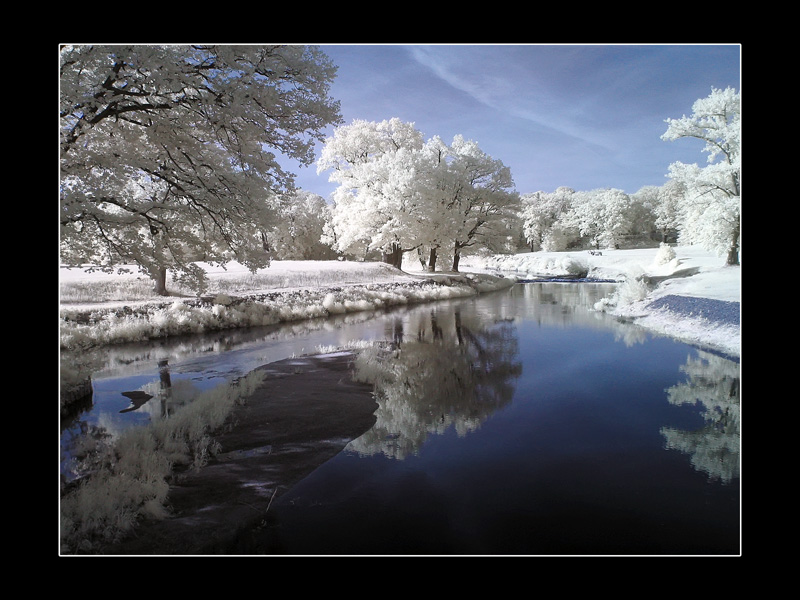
x,y
81,288
285,292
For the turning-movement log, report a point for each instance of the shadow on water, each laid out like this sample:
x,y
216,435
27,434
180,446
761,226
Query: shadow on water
x,y
519,422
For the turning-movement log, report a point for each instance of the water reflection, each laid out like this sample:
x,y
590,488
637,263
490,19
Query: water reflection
x,y
713,384
593,435
185,352
161,398
441,370
196,362
141,382
528,424
559,304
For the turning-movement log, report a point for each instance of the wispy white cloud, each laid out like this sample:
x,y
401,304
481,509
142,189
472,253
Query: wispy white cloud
x,y
510,80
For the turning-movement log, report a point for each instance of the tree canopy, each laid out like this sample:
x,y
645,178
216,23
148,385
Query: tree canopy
x,y
170,154
398,193
300,228
712,203
699,205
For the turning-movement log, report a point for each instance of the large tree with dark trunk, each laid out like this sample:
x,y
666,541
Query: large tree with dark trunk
x,y
172,154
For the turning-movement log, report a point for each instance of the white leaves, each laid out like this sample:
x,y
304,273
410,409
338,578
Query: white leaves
x,y
299,228
716,120
710,211
363,142
397,190
552,221
174,147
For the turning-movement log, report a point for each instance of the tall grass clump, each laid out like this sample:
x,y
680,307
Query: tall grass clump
x,y
130,475
119,289
664,255
633,289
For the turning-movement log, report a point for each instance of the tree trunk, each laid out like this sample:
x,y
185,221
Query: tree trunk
x,y
387,257
421,259
394,256
456,258
733,251
160,279
397,256
432,261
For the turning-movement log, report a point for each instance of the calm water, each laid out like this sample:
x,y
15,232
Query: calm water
x,y
517,422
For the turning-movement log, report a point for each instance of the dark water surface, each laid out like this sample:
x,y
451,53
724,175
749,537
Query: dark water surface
x,y
518,422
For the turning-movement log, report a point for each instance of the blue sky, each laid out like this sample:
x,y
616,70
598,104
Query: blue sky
x,y
582,116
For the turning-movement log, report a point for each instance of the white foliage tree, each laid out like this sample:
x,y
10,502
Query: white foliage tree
x,y
483,203
300,227
712,204
398,194
541,218
643,203
467,198
376,204
436,186
603,215
667,208
536,218
168,153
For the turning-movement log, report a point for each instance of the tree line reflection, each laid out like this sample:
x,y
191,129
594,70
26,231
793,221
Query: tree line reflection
x,y
439,370
713,383
452,365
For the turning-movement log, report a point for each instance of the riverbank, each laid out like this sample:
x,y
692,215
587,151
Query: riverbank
x,y
124,309
693,296
99,309
238,301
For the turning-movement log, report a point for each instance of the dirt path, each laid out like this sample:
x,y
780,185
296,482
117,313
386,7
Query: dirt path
x,y
304,414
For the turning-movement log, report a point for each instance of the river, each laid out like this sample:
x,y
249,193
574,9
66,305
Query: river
x,y
516,422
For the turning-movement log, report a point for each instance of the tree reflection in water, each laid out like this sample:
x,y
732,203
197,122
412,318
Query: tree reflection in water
x,y
714,384
448,370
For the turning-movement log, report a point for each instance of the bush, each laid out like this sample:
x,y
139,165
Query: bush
x,y
664,255
633,289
